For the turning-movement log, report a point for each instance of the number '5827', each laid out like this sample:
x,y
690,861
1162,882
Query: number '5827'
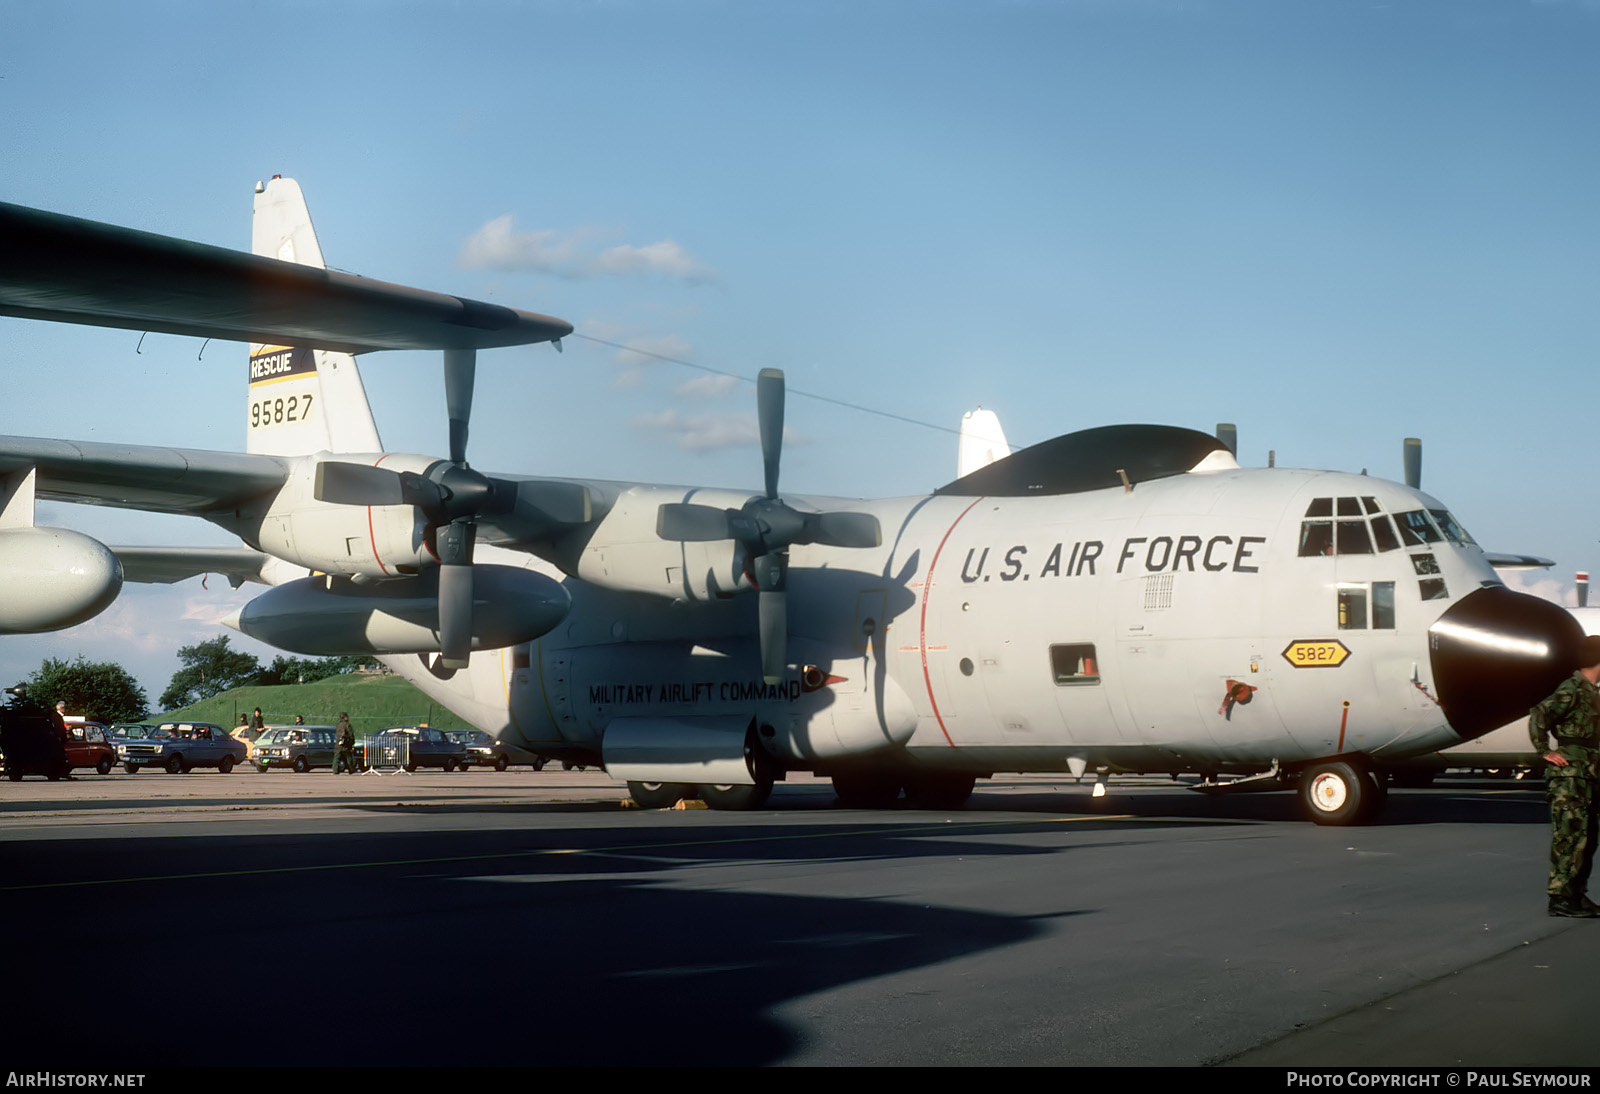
x,y
296,408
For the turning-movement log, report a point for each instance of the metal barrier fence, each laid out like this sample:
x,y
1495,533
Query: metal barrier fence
x,y
387,753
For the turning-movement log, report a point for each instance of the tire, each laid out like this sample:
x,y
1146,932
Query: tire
x,y
538,764
132,769
866,789
104,766
225,765
567,765
14,775
939,790
300,765
174,764
263,768
1338,793
735,797
657,795
411,767
501,763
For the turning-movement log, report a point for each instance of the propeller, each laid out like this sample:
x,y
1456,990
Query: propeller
x,y
1412,452
451,498
765,528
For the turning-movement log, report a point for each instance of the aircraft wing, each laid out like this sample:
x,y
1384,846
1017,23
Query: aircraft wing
x,y
167,565
68,270
160,480
1518,562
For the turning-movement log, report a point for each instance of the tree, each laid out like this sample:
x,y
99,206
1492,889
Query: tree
x,y
301,670
100,691
209,668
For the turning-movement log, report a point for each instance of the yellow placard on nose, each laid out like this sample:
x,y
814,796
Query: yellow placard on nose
x,y
1316,653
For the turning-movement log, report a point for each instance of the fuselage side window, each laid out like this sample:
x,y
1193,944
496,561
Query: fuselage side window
x,y
1383,605
1352,607
1074,665
1432,588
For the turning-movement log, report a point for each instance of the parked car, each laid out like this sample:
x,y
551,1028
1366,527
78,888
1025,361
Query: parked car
x,y
299,747
87,746
178,747
482,750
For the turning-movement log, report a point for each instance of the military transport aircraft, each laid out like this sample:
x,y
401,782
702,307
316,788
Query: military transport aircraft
x,y
1122,599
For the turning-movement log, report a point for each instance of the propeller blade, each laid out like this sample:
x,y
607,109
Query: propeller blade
x,y
1413,459
772,615
769,416
460,369
844,529
692,523
357,484
455,615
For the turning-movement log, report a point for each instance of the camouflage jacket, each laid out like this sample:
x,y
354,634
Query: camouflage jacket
x,y
1571,714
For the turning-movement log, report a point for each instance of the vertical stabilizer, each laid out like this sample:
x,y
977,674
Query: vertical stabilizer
x,y
301,400
982,441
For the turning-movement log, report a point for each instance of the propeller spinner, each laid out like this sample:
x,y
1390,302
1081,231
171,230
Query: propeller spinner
x,y
765,528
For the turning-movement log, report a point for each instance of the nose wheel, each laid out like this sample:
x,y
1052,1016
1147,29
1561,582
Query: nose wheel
x,y
1341,793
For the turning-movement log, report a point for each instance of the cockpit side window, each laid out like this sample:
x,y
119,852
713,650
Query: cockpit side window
x,y
1452,531
1353,538
1383,532
1416,529
1316,538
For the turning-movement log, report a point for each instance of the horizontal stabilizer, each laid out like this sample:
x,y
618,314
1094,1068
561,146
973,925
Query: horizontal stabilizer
x,y
68,270
1518,562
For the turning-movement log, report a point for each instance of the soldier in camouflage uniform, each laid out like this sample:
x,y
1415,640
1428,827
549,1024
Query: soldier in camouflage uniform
x,y
1572,715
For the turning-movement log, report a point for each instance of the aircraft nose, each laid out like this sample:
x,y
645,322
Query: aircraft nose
x,y
1497,653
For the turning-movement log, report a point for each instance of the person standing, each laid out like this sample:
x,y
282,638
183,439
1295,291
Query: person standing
x,y
345,758
1571,714
256,722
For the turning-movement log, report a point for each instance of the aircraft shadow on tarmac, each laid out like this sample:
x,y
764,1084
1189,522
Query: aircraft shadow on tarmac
x,y
542,946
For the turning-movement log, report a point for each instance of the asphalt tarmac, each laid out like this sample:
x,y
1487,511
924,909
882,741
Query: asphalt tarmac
x,y
527,918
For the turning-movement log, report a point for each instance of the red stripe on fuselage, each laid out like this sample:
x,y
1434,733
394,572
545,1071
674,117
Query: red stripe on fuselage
x,y
922,630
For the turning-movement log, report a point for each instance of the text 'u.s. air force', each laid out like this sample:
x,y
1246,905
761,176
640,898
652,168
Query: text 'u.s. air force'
x,y
1136,554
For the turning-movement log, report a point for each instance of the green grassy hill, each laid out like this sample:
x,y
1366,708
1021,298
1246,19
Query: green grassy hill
x,y
374,702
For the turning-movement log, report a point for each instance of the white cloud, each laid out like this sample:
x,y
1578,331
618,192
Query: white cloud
x,y
710,432
706,387
577,254
1542,584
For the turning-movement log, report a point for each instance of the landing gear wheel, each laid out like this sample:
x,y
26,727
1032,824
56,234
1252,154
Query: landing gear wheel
x,y
735,796
103,767
1339,793
866,789
939,791
174,765
658,795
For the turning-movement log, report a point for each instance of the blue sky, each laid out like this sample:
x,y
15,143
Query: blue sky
x,y
1334,224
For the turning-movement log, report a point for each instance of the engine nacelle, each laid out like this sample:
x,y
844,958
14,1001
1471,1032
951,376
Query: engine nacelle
x,y
327,616
51,578
380,541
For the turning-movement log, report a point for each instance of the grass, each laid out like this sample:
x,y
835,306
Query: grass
x,y
373,702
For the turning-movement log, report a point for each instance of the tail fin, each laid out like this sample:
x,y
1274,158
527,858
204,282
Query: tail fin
x,y
982,441
301,400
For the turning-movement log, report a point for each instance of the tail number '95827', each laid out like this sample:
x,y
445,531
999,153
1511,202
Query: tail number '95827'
x,y
293,408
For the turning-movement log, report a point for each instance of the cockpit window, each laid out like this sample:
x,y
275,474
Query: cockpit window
x,y
1349,507
1353,538
1416,529
1316,538
1372,505
1320,507
1383,531
1452,531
